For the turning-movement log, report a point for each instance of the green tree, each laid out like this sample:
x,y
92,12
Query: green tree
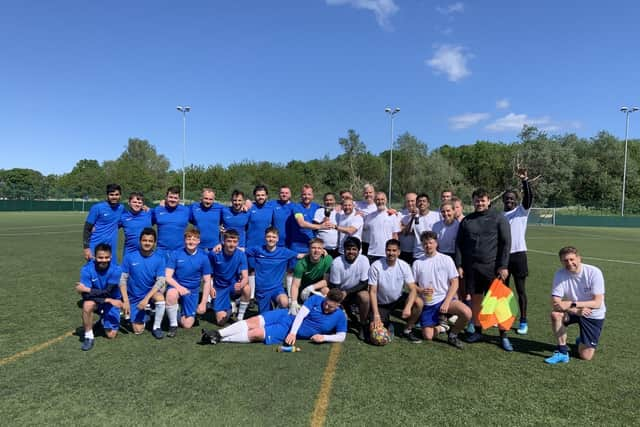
x,y
87,178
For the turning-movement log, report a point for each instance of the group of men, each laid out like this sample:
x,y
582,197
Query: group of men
x,y
301,261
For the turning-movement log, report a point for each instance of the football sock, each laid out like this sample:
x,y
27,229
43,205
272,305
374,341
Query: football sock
x,y
523,320
157,320
289,281
242,337
234,329
252,285
242,310
172,314
89,334
564,349
503,334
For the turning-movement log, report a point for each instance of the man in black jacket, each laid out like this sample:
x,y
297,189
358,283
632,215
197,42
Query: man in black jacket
x,y
482,253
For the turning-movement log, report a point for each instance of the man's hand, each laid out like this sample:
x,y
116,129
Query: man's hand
x,y
406,313
202,308
114,302
182,291
213,292
126,308
376,321
80,288
217,248
290,339
585,311
86,253
142,304
562,306
460,272
237,287
522,173
444,308
317,338
503,273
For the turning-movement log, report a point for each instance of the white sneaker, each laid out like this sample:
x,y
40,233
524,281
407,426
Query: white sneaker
x,y
453,319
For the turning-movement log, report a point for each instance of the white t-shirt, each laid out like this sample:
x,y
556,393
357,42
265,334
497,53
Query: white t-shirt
x,y
518,222
435,272
446,236
380,226
348,276
407,241
425,223
389,280
351,220
330,237
581,286
365,209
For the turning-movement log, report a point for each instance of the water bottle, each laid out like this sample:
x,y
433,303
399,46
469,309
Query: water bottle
x,y
287,349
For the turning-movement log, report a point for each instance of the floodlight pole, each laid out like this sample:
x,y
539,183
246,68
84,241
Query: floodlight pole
x,y
391,112
184,110
626,111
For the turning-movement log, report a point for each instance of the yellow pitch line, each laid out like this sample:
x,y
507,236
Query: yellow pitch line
x,y
322,401
34,349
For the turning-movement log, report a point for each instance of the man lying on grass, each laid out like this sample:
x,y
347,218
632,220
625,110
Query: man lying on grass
x,y
320,320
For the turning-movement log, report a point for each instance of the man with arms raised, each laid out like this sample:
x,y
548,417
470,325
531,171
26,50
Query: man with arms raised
x,y
482,253
101,225
387,278
577,296
350,274
518,215
98,286
143,278
437,283
230,279
186,268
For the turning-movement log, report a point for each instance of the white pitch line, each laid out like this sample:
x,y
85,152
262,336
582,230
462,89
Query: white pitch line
x,y
589,257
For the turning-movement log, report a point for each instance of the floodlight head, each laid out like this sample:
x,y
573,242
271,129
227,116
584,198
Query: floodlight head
x,y
179,108
187,108
397,110
624,109
634,109
387,110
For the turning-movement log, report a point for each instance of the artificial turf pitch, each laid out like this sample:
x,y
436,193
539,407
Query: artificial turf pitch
x,y
139,380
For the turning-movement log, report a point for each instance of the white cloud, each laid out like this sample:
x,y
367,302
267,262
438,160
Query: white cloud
x,y
451,60
457,7
514,122
383,9
502,104
466,120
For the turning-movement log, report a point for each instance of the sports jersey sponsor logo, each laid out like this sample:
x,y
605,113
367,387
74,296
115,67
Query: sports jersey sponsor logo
x,y
134,264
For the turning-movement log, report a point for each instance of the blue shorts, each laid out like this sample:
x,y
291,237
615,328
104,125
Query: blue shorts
x,y
222,302
266,297
110,316
189,303
276,326
590,329
137,316
430,316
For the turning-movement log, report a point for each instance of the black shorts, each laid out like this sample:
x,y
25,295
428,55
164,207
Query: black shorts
x,y
518,266
407,257
385,310
478,278
590,329
334,253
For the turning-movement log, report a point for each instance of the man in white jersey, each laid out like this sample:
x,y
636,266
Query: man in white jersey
x,y
388,277
364,207
577,296
327,215
406,236
517,215
380,226
437,283
349,223
422,221
350,274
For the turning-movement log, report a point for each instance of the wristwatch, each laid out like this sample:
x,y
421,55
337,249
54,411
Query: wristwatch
x,y
573,304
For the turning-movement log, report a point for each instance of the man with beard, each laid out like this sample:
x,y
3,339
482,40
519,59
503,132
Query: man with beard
x,y
101,225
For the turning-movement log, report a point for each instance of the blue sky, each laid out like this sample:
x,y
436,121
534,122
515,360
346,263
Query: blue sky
x,y
283,80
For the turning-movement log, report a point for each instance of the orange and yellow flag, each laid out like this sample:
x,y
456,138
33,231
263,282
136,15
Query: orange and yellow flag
x,y
499,306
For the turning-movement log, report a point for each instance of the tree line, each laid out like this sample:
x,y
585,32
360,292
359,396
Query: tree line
x,y
573,171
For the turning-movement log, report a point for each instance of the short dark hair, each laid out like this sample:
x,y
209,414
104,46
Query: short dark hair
x,y
148,231
428,235
230,233
136,194
272,229
113,187
335,295
350,242
102,247
174,189
568,250
392,242
237,193
480,192
423,196
260,187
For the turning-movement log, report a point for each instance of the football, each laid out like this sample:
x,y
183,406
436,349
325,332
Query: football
x,y
380,336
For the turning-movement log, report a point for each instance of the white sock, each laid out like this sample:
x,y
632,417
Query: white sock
x,y
242,310
172,314
89,334
234,329
240,337
157,320
289,281
252,285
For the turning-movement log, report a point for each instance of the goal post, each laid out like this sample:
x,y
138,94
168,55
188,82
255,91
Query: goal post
x,y
542,216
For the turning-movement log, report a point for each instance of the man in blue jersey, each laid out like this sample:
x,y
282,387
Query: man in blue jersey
x,y
98,286
133,221
282,213
171,220
303,227
260,218
270,262
101,225
236,217
206,216
186,268
143,279
320,320
229,269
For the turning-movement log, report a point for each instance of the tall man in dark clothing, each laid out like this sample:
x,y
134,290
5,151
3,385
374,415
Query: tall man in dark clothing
x,y
482,253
